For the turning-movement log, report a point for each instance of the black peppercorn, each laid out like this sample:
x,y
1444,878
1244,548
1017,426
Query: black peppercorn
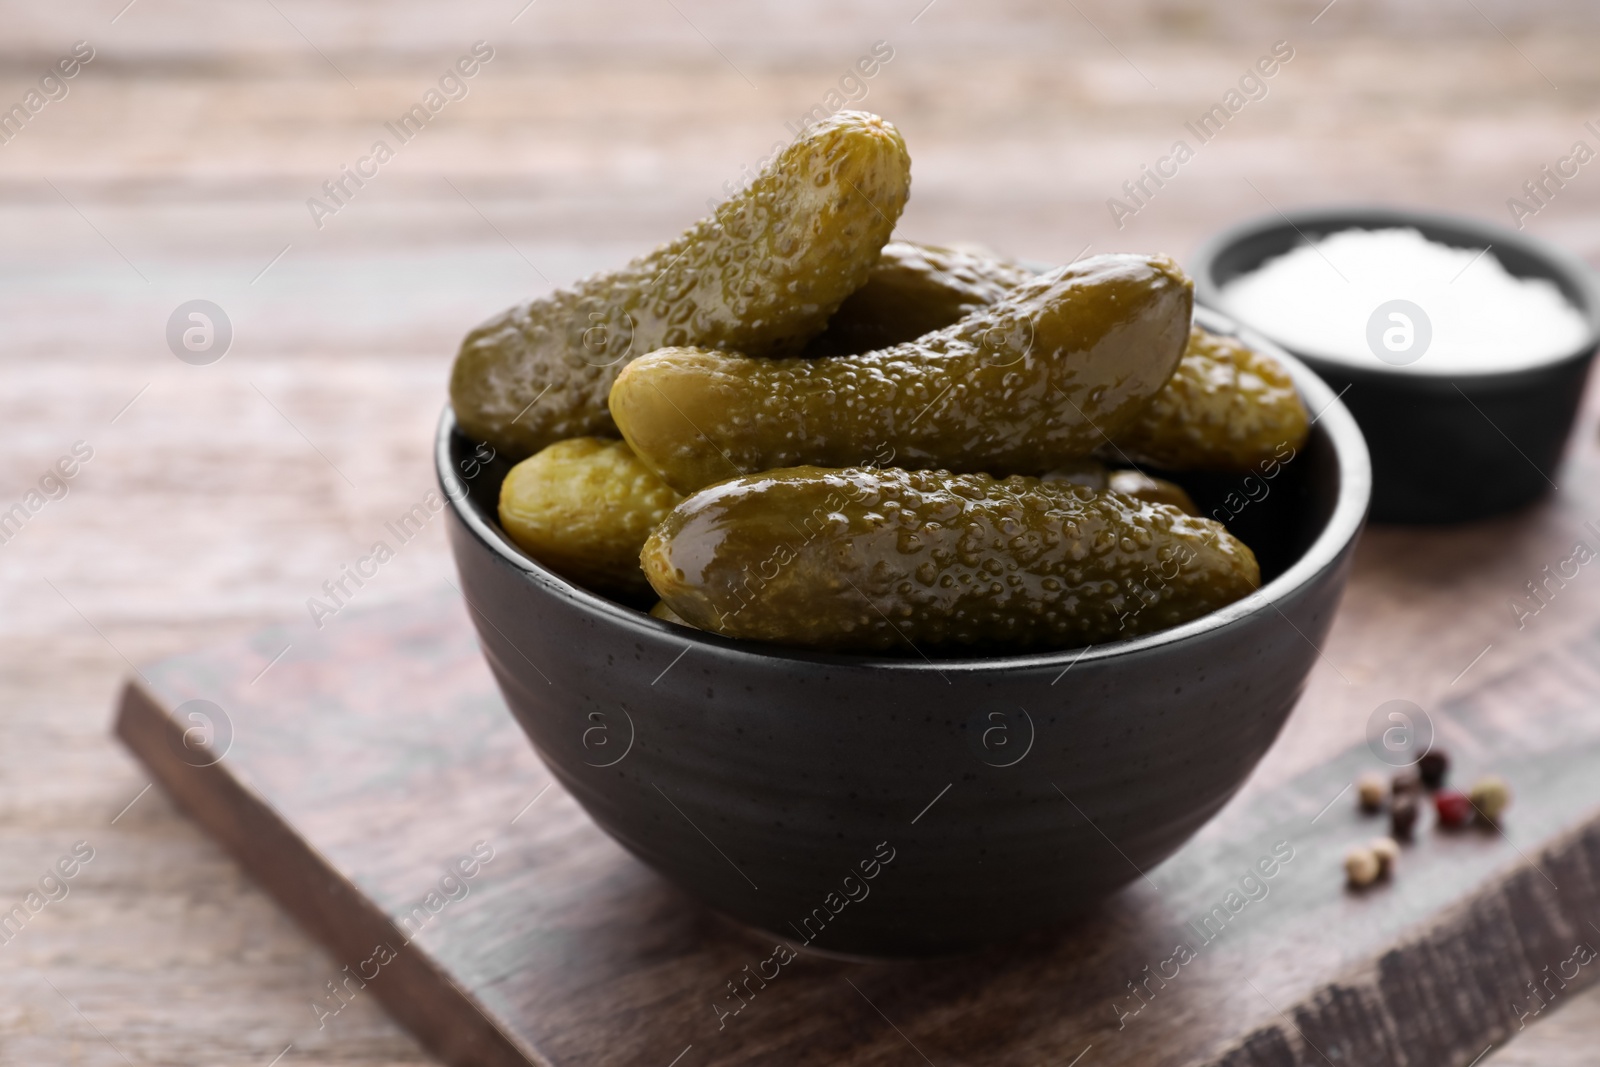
x,y
1403,817
1433,768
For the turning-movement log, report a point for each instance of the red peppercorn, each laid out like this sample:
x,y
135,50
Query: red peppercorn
x,y
1453,807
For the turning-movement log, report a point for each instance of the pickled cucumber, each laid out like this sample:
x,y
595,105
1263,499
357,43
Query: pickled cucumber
x,y
583,507
761,276
1142,486
1040,377
666,614
913,290
868,559
1227,408
1086,471
1137,484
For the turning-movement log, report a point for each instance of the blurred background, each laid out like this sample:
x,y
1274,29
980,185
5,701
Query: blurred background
x,y
178,162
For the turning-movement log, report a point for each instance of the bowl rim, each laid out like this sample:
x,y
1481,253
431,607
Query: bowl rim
x,y
1561,263
1340,531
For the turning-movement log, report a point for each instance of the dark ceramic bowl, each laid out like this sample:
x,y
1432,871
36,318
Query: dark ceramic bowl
x,y
899,807
1446,446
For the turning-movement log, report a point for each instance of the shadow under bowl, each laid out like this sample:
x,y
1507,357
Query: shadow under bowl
x,y
900,807
1446,446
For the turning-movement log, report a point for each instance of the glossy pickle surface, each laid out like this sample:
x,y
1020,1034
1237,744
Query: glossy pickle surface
x,y
762,276
584,507
915,289
1094,474
1226,408
869,559
1019,386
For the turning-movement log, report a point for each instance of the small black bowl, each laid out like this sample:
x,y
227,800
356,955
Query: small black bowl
x,y
1446,447
901,807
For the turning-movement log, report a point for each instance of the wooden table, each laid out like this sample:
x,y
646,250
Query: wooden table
x,y
220,497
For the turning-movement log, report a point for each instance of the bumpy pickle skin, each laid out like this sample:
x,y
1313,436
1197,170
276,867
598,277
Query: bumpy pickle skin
x,y
1016,388
875,560
584,507
1227,408
1086,471
916,289
762,276
1093,474
1142,486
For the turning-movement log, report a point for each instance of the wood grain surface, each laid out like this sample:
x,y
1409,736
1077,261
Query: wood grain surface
x,y
220,497
372,780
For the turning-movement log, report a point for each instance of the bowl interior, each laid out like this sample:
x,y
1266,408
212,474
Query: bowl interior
x,y
1297,516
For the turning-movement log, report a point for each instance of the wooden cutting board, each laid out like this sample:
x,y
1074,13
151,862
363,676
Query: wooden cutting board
x,y
369,777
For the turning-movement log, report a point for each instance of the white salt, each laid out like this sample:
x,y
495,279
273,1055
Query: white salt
x,y
1336,298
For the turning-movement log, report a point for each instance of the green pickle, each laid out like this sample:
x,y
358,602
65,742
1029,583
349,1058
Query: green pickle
x,y
1096,475
913,290
1142,486
666,614
1227,408
1017,387
867,559
761,276
584,507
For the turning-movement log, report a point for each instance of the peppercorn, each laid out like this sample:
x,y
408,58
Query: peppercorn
x,y
1403,817
1434,767
1453,806
1361,866
1491,796
1370,792
1405,783
1388,852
